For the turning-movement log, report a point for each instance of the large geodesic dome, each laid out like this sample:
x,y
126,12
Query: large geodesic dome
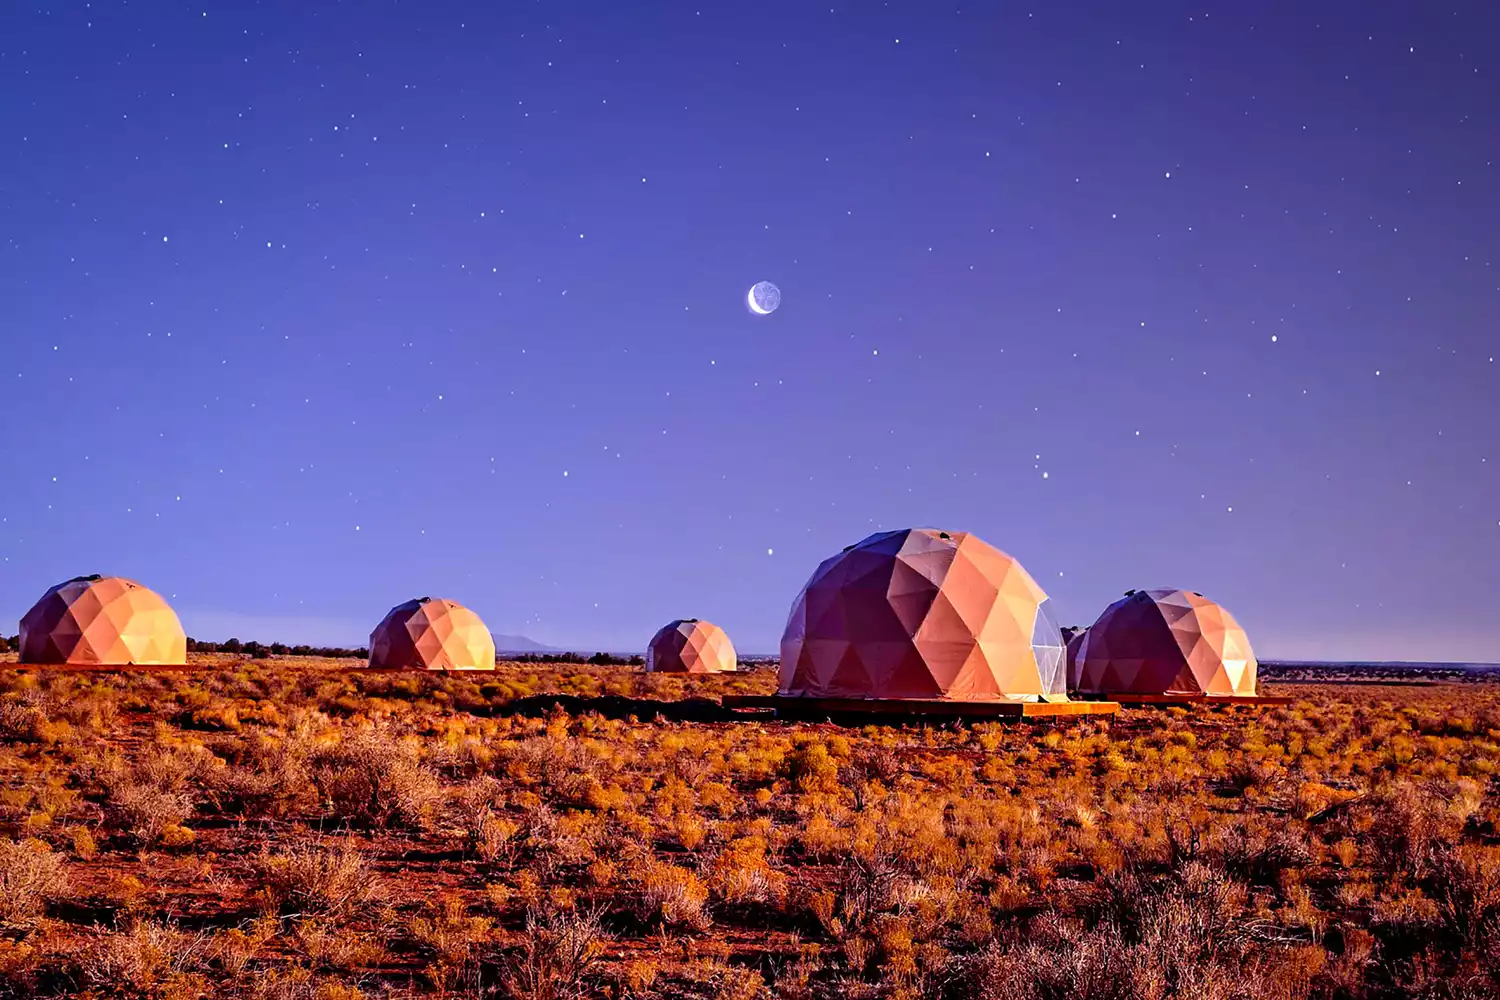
x,y
690,646
922,613
102,621
431,633
1163,642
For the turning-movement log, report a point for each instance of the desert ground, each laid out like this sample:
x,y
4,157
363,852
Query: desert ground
x,y
280,828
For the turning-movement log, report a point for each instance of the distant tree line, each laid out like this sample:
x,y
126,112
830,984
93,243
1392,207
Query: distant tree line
x,y
261,651
597,660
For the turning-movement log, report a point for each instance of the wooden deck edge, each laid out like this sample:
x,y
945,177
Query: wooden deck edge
x,y
802,708
1184,700
414,670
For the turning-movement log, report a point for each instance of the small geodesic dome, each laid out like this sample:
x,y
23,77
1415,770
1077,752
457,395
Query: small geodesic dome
x,y
1163,642
690,646
431,633
102,620
921,613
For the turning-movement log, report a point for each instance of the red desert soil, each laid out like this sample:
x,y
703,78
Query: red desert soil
x,y
283,828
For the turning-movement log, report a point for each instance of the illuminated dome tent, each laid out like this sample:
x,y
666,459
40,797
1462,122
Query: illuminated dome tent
x,y
690,646
1163,642
432,634
102,621
1074,643
922,614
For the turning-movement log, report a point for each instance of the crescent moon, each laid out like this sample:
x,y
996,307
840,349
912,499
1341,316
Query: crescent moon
x,y
750,301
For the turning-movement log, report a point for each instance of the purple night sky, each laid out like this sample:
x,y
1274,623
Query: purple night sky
x,y
307,309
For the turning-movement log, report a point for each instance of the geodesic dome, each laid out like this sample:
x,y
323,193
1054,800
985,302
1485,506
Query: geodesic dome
x,y
921,613
690,646
432,634
102,620
1070,652
1163,642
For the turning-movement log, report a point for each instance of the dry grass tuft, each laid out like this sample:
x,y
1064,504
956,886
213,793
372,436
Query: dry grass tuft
x,y
31,876
370,777
559,952
315,878
229,827
147,959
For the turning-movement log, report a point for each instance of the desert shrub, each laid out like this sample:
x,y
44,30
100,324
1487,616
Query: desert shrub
x,y
1260,852
370,777
151,797
327,944
20,967
147,813
316,878
26,721
233,949
1116,899
96,710
867,887
241,790
18,721
84,844
554,762
148,960
741,873
811,768
451,935
689,830
1182,939
265,775
1090,966
31,876
1339,849
878,763
1466,888
557,956
490,836
555,841
1411,826
673,895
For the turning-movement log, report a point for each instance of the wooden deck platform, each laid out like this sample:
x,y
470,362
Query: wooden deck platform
x,y
1165,700
897,709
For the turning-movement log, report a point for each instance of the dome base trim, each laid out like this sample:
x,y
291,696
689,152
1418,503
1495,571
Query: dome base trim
x,y
1167,700
893,709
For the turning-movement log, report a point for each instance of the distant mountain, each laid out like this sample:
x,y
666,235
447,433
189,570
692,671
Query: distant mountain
x,y
521,644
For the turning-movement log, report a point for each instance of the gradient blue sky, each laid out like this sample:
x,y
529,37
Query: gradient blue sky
x,y
308,309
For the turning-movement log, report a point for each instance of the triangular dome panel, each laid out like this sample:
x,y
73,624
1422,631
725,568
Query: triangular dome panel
x,y
1163,642
103,621
953,617
432,634
690,646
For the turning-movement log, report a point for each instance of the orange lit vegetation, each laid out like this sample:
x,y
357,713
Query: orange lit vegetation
x,y
281,829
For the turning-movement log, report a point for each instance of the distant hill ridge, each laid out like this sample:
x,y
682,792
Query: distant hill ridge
x,y
520,644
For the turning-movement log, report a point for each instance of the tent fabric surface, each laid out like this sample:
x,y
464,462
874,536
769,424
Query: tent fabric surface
x,y
1074,644
432,634
1163,642
102,620
922,613
690,646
